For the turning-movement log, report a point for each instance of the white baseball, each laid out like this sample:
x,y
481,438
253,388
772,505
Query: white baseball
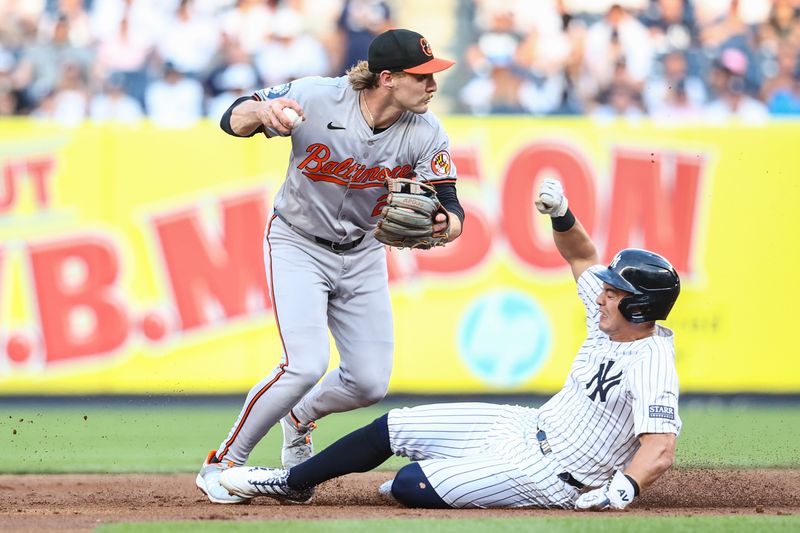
x,y
293,116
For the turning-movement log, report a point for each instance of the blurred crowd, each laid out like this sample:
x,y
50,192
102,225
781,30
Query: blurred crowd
x,y
668,59
173,61
177,61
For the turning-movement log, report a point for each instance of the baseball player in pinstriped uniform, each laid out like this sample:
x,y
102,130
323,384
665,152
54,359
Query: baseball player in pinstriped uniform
x,y
324,266
607,434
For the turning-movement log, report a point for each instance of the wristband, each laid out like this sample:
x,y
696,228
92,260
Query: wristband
x,y
635,485
564,223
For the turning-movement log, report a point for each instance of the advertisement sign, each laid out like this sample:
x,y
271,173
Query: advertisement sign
x,y
131,259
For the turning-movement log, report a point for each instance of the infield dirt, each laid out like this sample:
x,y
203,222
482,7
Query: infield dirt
x,y
81,502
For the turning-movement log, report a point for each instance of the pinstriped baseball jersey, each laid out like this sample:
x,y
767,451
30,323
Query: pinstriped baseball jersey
x,y
615,391
334,185
485,455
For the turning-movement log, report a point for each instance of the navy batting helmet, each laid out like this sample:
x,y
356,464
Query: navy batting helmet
x,y
652,281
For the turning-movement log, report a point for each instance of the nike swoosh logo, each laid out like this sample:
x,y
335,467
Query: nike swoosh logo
x,y
332,127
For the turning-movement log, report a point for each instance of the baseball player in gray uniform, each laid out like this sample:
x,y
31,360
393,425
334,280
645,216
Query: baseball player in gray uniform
x,y
325,269
607,434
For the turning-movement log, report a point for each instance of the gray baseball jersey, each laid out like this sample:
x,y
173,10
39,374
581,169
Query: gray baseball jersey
x,y
334,190
484,455
334,184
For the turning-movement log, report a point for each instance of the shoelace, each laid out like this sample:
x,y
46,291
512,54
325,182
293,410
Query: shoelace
x,y
304,434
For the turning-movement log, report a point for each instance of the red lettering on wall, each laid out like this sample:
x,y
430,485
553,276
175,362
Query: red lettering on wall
x,y
78,276
521,182
464,253
228,270
38,170
650,211
467,161
8,198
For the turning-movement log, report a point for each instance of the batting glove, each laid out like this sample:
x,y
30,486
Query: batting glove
x,y
618,493
551,199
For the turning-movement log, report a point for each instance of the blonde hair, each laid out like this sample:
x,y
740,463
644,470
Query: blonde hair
x,y
361,78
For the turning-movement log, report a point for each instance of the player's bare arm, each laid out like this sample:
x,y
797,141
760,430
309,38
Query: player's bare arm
x,y
569,235
250,115
652,459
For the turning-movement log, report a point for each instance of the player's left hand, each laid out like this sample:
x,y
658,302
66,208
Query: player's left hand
x,y
551,200
616,494
441,223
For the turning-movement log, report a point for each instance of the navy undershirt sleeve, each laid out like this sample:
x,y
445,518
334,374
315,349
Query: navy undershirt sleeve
x,y
225,121
449,199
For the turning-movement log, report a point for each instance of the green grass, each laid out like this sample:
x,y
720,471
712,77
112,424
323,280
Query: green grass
x,y
94,438
593,523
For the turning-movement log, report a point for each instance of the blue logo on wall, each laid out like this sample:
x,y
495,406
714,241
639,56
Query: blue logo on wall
x,y
504,337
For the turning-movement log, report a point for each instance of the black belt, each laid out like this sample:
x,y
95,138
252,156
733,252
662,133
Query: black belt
x,y
333,246
566,477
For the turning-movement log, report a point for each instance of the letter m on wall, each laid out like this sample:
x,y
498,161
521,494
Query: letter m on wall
x,y
216,270
654,204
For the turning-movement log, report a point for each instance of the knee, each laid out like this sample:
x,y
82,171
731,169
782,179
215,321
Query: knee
x,y
306,373
368,389
412,488
372,392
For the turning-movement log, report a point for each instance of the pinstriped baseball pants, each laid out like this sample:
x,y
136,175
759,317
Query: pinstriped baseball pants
x,y
480,455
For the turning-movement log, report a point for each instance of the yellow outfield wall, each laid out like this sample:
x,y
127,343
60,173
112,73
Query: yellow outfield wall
x,y
130,258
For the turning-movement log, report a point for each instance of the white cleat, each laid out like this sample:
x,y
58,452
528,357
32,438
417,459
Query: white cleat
x,y
249,482
385,490
208,481
297,443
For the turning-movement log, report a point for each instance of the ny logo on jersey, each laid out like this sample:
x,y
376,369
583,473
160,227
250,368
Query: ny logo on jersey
x,y
604,381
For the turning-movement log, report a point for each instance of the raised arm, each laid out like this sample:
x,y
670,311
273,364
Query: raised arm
x,y
570,237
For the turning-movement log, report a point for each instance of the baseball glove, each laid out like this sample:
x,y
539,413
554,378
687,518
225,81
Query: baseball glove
x,y
408,216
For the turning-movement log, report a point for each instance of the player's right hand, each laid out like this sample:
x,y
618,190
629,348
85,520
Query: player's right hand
x,y
272,116
551,200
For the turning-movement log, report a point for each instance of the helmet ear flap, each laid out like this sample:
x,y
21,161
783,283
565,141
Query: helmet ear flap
x,y
634,309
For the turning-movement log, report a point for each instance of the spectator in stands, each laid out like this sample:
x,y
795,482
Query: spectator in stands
x,y
618,39
732,100
68,104
731,31
621,101
236,80
126,54
248,24
191,42
359,23
9,100
147,19
39,70
782,71
232,54
728,30
782,92
113,104
80,31
499,82
290,53
781,27
500,85
661,95
672,25
176,101
19,21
